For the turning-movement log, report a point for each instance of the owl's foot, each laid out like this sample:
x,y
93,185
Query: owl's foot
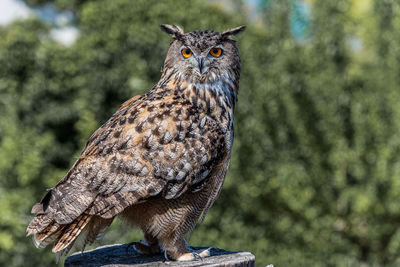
x,y
176,249
144,248
195,255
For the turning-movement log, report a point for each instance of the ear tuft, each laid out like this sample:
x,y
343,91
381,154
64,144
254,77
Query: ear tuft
x,y
232,32
175,31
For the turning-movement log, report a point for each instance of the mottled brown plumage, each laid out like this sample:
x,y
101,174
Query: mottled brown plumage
x,y
160,160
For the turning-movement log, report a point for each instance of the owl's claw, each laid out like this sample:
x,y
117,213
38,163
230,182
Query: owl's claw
x,y
144,248
194,256
132,244
166,255
197,256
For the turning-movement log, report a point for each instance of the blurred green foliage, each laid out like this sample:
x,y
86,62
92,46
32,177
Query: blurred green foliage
x,y
315,173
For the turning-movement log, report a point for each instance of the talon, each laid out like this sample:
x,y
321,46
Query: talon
x,y
143,248
191,256
166,255
197,256
131,244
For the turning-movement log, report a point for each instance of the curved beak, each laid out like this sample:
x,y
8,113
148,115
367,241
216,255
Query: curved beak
x,y
200,60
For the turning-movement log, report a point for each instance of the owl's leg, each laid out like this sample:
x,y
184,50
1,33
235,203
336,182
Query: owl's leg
x,y
177,249
148,246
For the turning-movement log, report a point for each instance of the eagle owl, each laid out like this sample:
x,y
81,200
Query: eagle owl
x,y
160,160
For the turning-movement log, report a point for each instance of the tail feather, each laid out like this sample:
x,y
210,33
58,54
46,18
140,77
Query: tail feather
x,y
91,232
87,227
38,224
71,232
47,235
96,229
64,252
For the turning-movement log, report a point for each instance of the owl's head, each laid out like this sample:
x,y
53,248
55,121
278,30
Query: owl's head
x,y
202,56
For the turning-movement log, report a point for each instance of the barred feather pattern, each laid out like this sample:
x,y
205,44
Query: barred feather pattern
x,y
70,232
47,235
96,229
160,160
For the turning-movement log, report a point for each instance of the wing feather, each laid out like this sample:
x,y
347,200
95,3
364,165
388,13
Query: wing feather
x,y
146,149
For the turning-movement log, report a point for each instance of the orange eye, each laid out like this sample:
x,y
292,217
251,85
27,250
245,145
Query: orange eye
x,y
186,52
216,52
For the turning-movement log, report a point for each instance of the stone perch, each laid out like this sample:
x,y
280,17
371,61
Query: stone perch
x,y
122,255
